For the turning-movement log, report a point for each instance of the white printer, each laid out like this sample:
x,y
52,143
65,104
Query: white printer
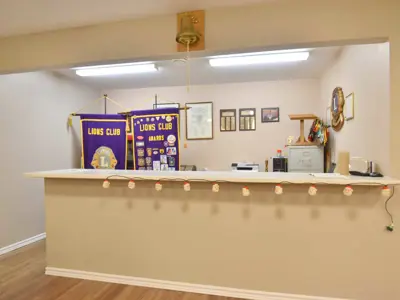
x,y
245,167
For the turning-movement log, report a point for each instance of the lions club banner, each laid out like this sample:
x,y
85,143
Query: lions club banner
x,y
156,139
104,141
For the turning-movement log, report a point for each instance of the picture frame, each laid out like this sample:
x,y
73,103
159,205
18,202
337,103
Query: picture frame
x,y
166,105
247,119
270,115
199,121
349,107
227,120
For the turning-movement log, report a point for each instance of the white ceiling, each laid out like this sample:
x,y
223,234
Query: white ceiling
x,y
28,16
172,73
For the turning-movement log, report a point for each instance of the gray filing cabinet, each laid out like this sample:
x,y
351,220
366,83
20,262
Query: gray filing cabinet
x,y
306,159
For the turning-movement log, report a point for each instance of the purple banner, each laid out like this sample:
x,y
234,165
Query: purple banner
x,y
104,141
156,139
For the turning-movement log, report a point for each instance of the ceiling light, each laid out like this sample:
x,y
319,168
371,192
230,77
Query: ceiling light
x,y
119,69
258,58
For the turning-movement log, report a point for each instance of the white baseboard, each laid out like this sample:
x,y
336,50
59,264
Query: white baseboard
x,y
23,243
180,286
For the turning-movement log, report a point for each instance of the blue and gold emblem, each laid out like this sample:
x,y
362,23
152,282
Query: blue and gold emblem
x,y
104,158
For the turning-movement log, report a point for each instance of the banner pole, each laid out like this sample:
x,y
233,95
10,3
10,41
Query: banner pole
x,y
105,103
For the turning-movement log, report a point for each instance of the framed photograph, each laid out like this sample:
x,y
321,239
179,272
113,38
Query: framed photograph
x,y
349,107
227,119
270,115
247,119
166,105
199,121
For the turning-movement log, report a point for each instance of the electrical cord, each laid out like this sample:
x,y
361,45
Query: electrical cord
x,y
176,179
391,226
168,179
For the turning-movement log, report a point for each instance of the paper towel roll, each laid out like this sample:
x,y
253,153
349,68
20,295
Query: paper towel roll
x,y
343,163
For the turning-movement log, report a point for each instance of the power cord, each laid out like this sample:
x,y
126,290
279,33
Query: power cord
x,y
391,226
388,228
366,183
168,179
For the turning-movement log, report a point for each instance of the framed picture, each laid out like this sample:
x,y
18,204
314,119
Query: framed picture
x,y
199,121
270,115
349,107
166,105
227,119
247,119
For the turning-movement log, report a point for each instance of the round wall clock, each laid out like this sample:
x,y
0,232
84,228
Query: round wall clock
x,y
337,103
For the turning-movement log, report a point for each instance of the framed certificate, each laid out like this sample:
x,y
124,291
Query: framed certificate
x,y
227,120
247,119
199,121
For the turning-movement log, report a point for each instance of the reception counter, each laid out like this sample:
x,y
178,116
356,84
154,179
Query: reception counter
x,y
263,246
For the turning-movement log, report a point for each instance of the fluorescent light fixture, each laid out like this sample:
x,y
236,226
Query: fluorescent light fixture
x,y
259,58
120,69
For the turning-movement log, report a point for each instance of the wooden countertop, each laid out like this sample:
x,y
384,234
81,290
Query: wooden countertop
x,y
213,176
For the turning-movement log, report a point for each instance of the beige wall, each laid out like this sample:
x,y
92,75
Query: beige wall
x,y
33,112
364,71
295,96
328,245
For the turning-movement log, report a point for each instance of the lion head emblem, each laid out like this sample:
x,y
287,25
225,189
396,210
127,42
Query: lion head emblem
x,y
104,158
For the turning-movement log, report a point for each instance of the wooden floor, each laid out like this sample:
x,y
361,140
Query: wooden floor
x,y
22,278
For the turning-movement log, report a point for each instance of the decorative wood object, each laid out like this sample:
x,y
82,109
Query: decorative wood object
x,y
193,31
227,120
302,140
247,119
337,103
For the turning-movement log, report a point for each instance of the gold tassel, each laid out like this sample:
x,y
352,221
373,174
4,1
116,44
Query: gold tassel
x,y
70,120
128,119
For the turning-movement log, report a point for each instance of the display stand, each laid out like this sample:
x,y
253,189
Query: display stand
x,y
302,141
